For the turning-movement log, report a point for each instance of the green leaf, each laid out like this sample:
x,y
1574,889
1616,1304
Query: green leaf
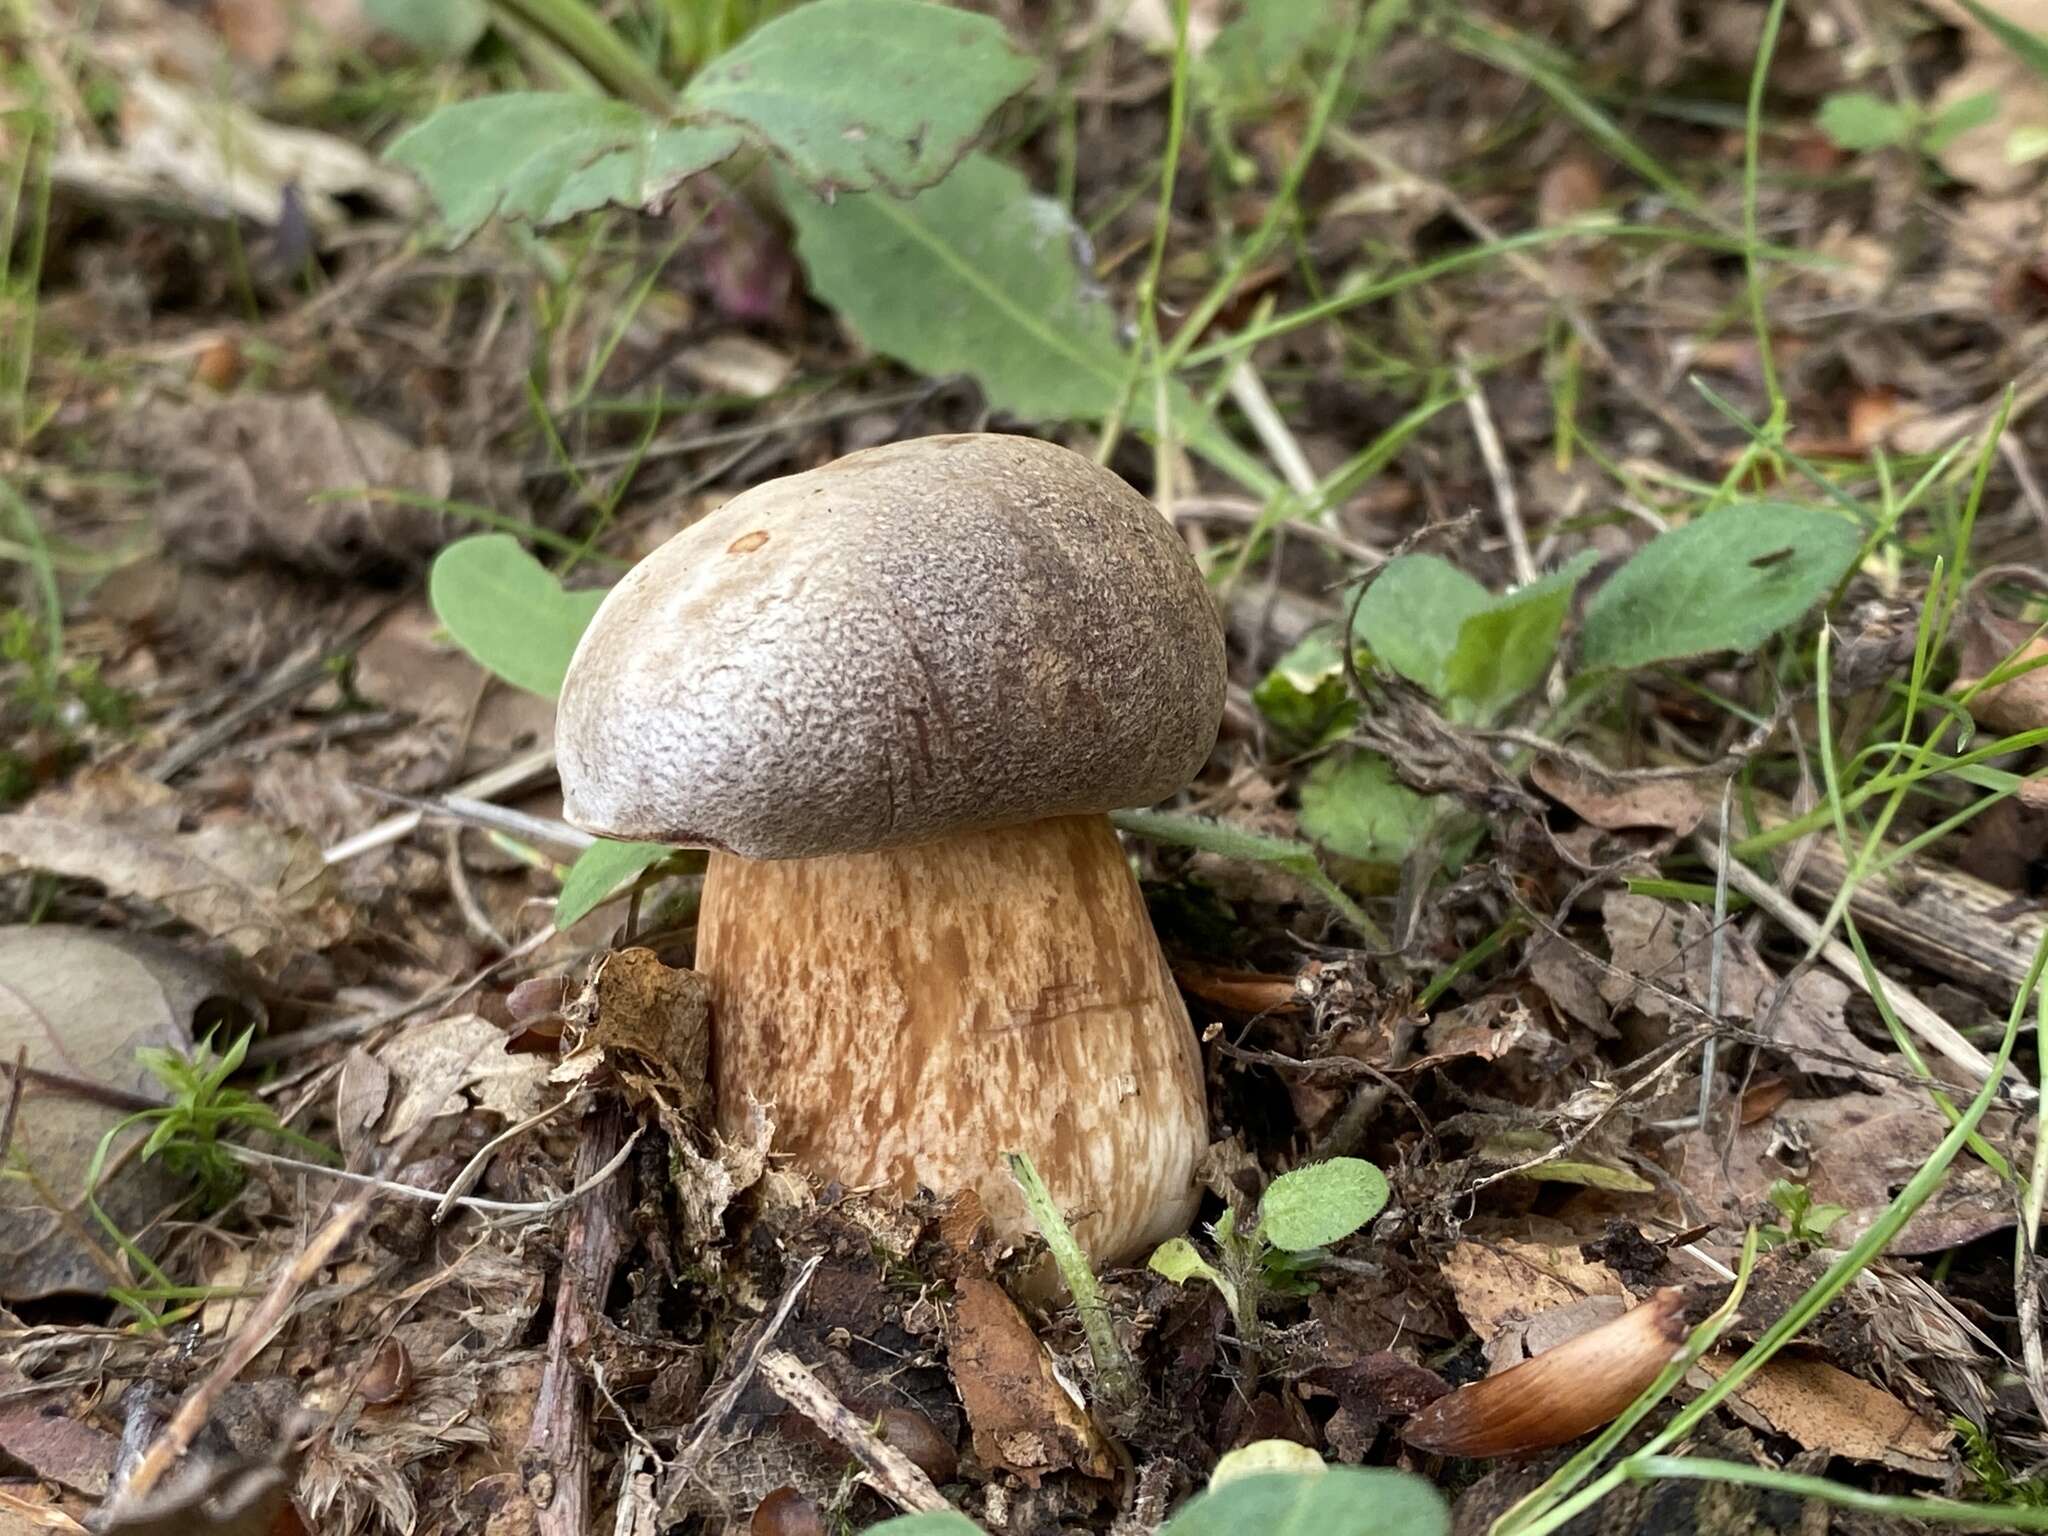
x,y
1254,53
1339,1501
1504,648
601,869
858,94
508,611
1958,118
943,1522
1411,614
978,275
849,95
2030,48
1354,806
1858,120
1181,1261
1590,1175
1315,1206
439,29
1726,582
546,155
1306,696
1298,859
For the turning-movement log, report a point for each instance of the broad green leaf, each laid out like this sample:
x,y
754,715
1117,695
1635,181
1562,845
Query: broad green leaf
x,y
508,611
1564,1170
2029,47
1411,614
849,95
1504,648
1305,696
440,29
601,869
1315,1206
545,155
978,275
1858,120
1726,582
1353,805
858,94
1339,1501
943,1522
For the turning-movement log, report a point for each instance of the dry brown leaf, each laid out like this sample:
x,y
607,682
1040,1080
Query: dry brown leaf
x,y
1571,981
266,894
737,364
467,1051
81,1003
361,1095
270,477
651,1024
1571,188
1497,1283
57,1446
1826,1409
1812,1017
1024,1419
1672,805
1989,642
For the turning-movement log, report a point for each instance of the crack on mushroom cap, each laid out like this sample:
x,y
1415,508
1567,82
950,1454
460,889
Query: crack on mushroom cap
x,y
936,636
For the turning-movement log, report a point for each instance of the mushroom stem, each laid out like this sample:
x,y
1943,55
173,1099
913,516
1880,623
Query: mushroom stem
x,y
915,1013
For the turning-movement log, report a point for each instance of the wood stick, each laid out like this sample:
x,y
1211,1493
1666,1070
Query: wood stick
x,y
889,1472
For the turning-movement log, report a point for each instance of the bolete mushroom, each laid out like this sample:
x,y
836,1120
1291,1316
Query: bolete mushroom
x,y
896,697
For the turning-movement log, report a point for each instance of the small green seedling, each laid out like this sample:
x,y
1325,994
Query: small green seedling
x,y
1805,1221
1301,1214
1862,120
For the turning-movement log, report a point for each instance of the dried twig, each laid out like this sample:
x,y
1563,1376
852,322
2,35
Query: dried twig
x,y
1503,478
441,1199
559,1440
519,772
889,1472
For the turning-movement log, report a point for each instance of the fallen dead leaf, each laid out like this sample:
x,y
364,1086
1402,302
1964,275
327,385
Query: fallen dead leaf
x,y
81,1003
438,1061
1500,1282
1023,1418
1990,642
736,364
56,1446
1672,805
267,894
1824,1408
651,1024
293,479
362,1092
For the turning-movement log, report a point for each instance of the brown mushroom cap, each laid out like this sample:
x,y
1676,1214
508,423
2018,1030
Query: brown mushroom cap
x,y
936,636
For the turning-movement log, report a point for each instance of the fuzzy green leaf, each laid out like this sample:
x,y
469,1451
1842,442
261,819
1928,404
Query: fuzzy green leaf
x,y
1726,582
859,94
1315,1206
978,275
508,611
544,156
1339,1501
1504,648
1858,120
1354,806
601,869
1411,614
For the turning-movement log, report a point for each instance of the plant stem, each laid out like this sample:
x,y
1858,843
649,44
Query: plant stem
x,y
584,35
1116,1378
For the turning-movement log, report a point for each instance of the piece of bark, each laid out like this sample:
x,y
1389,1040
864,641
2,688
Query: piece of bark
x,y
556,1462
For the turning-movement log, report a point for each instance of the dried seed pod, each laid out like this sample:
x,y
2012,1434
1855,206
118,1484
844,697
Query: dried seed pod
x,y
908,1431
389,1377
786,1512
1562,1393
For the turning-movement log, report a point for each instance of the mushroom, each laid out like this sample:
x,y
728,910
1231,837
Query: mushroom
x,y
896,697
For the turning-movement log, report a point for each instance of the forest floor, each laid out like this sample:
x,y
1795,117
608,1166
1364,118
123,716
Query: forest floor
x,y
1652,914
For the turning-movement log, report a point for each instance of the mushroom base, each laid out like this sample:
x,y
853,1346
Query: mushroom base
x,y
913,1014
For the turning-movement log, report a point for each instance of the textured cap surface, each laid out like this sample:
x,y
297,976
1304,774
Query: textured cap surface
x,y
935,636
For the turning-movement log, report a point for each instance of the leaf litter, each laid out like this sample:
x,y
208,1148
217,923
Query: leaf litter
x,y
242,502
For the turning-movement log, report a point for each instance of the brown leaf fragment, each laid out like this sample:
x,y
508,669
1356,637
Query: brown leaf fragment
x,y
1824,1408
51,1443
1499,1282
267,894
1618,805
1811,1023
1571,982
1992,643
1023,1418
293,479
651,1023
